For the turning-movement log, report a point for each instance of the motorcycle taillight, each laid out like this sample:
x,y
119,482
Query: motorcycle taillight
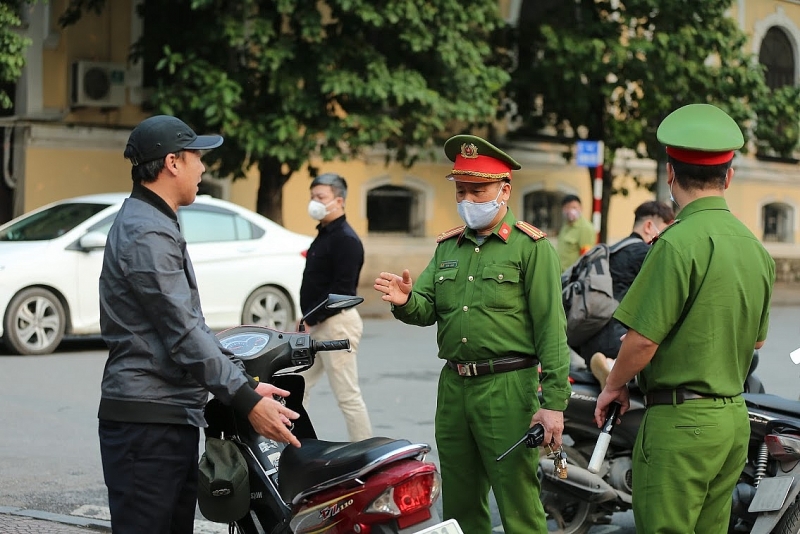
x,y
783,447
417,492
413,494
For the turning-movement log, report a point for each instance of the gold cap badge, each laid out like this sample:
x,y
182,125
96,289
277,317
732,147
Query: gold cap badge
x,y
469,150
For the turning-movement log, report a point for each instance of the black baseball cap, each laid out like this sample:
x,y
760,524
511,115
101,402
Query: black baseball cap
x,y
160,135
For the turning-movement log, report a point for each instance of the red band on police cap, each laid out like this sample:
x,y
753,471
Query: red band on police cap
x,y
482,166
698,157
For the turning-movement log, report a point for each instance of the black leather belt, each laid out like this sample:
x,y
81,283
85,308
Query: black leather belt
x,y
498,365
675,396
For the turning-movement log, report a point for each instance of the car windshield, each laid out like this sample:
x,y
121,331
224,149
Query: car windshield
x,y
50,223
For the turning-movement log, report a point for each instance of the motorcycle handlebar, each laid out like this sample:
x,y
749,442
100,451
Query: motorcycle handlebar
x,y
335,344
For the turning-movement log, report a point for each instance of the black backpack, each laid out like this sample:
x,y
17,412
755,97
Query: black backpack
x,y
587,292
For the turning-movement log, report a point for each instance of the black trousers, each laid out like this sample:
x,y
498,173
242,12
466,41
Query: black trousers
x,y
151,474
605,341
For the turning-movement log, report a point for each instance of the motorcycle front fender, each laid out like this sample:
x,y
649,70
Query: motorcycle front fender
x,y
766,521
581,484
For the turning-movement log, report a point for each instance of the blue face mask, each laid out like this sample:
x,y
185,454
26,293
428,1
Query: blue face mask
x,y
479,215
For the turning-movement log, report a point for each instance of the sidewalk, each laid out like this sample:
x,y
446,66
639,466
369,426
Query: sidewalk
x,y
20,521
94,520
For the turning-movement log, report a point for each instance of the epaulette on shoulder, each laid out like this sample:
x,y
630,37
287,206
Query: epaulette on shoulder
x,y
531,230
458,230
670,225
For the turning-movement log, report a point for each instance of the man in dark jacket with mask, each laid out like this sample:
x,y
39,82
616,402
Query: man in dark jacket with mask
x,y
493,289
163,360
333,265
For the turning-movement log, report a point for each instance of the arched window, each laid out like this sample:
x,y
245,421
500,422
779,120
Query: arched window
x,y
395,209
543,210
778,219
777,55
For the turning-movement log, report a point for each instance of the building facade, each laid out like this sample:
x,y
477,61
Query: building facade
x,y
80,96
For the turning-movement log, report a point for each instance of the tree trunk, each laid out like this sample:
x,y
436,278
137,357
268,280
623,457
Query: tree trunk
x,y
269,202
608,180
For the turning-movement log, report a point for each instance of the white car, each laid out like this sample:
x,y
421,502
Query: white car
x,y
248,268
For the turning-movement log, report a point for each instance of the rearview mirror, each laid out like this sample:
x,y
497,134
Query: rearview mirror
x,y
333,302
92,241
342,302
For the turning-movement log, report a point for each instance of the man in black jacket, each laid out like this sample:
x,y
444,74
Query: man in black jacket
x,y
333,265
163,359
650,219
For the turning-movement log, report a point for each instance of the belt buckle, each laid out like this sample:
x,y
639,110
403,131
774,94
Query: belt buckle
x,y
467,369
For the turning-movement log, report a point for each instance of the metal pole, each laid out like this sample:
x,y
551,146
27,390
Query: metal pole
x,y
598,198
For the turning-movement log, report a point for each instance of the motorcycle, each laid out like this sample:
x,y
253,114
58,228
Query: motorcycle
x,y
376,486
765,500
573,505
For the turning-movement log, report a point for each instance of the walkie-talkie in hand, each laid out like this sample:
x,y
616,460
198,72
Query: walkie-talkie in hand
x,y
532,439
604,439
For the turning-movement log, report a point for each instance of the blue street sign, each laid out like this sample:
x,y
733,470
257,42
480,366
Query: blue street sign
x,y
589,153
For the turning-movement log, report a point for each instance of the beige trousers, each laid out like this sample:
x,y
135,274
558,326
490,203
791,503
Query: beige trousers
x,y
342,370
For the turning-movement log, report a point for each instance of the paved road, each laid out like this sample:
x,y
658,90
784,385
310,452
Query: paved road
x,y
49,457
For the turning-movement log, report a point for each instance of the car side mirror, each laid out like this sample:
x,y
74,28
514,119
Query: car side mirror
x,y
92,241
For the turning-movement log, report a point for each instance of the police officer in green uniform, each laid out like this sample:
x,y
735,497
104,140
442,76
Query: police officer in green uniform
x,y
493,289
695,311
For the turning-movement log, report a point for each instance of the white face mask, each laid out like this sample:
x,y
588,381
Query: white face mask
x,y
655,234
317,210
572,215
479,215
672,198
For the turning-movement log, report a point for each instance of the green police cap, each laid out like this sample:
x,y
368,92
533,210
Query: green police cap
x,y
700,134
477,160
223,491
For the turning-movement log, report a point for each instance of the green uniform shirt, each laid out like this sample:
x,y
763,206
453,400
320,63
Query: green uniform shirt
x,y
498,299
572,238
703,296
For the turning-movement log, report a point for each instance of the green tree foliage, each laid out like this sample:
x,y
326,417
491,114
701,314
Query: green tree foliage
x,y
289,80
611,70
12,49
778,127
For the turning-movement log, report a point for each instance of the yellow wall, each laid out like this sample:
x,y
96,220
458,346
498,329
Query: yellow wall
x,y
55,174
758,10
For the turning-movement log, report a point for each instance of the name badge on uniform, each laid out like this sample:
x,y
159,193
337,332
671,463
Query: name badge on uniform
x,y
448,264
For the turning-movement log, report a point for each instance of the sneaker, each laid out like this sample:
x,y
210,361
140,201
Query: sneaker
x,y
600,368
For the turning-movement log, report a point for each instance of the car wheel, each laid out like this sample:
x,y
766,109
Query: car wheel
x,y
34,322
269,306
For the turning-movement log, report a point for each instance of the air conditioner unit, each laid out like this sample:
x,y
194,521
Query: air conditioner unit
x,y
98,84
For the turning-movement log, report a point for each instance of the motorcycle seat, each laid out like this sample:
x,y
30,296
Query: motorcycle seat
x,y
318,465
582,376
773,403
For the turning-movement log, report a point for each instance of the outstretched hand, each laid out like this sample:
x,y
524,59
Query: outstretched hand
x,y
395,288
